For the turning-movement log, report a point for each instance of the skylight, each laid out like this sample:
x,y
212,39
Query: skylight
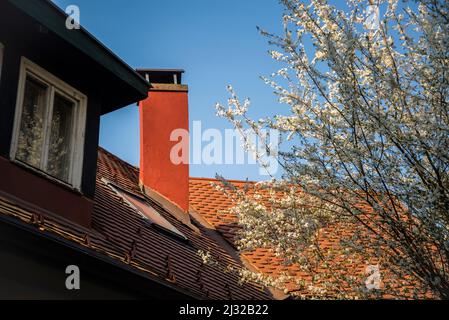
x,y
147,212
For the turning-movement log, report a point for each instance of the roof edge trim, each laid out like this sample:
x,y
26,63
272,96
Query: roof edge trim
x,y
53,18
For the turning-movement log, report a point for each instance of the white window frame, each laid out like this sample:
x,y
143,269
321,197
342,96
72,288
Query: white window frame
x,y
55,85
2,49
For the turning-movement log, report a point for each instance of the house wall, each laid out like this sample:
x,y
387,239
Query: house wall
x,y
43,195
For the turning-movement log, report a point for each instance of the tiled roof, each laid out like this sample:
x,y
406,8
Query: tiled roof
x,y
212,205
120,233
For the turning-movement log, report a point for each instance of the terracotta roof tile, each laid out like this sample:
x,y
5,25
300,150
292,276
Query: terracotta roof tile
x,y
212,205
120,233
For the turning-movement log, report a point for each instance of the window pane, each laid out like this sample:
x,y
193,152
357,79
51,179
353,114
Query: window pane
x,y
31,135
60,148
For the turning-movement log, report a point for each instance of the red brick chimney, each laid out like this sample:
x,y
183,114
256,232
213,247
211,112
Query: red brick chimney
x,y
165,110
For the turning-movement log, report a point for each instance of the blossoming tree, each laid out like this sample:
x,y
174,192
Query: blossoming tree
x,y
367,118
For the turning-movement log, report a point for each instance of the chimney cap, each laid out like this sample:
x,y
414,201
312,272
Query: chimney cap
x,y
165,76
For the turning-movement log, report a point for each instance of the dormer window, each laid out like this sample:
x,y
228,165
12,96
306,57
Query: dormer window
x,y
49,125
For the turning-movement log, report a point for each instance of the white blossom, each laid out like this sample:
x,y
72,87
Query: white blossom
x,y
368,115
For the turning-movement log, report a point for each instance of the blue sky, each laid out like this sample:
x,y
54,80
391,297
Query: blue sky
x,y
216,42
